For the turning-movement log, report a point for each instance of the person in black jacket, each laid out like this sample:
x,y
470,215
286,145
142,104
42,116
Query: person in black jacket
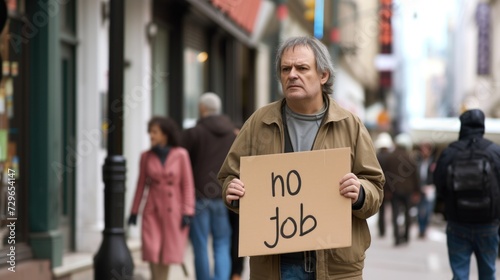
x,y
465,238
403,182
208,144
384,146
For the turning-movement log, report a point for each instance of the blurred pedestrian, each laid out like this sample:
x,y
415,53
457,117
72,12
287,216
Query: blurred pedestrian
x,y
384,146
165,170
208,143
467,178
426,167
402,179
307,118
237,263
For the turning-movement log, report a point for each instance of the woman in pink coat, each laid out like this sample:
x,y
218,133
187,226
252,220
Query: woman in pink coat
x,y
166,170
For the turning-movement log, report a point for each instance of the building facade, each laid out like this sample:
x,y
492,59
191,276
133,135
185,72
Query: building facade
x,y
53,108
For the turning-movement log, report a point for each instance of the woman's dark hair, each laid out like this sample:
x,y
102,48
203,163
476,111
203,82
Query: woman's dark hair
x,y
169,127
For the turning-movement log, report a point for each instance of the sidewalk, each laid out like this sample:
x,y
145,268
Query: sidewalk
x,y
419,259
141,271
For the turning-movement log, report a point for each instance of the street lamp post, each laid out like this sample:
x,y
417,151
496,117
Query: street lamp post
x,y
113,260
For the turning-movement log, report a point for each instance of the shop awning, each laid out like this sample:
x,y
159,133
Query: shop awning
x,y
245,20
445,130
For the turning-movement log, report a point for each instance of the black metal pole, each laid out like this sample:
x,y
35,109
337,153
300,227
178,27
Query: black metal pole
x,y
113,260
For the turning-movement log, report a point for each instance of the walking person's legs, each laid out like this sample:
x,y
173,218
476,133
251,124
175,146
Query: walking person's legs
x,y
425,212
236,262
152,269
163,272
407,206
459,242
198,233
396,210
423,216
486,241
221,234
381,219
158,271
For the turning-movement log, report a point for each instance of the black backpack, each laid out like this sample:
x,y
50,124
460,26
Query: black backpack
x,y
472,183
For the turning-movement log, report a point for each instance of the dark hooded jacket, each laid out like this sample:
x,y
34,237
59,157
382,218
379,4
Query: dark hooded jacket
x,y
471,129
208,143
401,173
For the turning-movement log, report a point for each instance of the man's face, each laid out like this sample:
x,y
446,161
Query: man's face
x,y
299,78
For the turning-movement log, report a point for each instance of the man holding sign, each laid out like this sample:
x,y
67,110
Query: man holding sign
x,y
308,119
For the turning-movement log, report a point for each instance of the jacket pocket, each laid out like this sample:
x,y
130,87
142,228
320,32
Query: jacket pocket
x,y
356,253
345,263
347,255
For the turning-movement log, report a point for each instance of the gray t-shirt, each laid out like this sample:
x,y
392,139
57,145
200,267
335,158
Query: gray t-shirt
x,y
303,128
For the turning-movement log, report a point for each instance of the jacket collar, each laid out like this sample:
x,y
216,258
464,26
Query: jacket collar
x,y
335,112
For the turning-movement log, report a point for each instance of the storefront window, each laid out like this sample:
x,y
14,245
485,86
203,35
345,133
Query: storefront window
x,y
160,65
195,76
13,206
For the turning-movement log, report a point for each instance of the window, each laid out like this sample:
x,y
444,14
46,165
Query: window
x,y
160,66
195,75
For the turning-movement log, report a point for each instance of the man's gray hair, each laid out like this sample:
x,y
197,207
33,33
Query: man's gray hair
x,y
322,56
211,102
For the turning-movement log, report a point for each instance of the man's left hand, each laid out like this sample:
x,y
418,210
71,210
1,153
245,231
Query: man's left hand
x,y
349,187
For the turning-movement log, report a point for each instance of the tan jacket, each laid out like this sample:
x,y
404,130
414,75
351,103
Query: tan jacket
x,y
262,134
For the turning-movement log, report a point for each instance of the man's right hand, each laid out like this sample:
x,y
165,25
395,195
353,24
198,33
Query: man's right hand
x,y
235,190
132,219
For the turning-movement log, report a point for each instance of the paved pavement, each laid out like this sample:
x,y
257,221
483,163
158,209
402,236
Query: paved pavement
x,y
419,259
141,271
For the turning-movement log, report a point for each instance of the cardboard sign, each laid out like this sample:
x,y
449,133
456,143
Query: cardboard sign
x,y
292,202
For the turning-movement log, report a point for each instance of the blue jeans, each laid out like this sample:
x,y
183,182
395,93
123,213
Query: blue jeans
x,y
296,266
291,271
465,239
211,218
425,211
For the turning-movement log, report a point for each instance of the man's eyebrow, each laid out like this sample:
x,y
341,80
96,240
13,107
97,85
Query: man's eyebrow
x,y
302,64
294,63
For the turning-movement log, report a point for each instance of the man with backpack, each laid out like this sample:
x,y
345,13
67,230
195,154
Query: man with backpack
x,y
467,179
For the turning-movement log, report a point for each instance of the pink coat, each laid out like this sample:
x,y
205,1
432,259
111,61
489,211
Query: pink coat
x,y
171,195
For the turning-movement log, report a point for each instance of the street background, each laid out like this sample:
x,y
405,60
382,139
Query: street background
x,y
76,96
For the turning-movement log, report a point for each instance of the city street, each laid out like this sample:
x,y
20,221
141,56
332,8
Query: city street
x,y
420,259
95,96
